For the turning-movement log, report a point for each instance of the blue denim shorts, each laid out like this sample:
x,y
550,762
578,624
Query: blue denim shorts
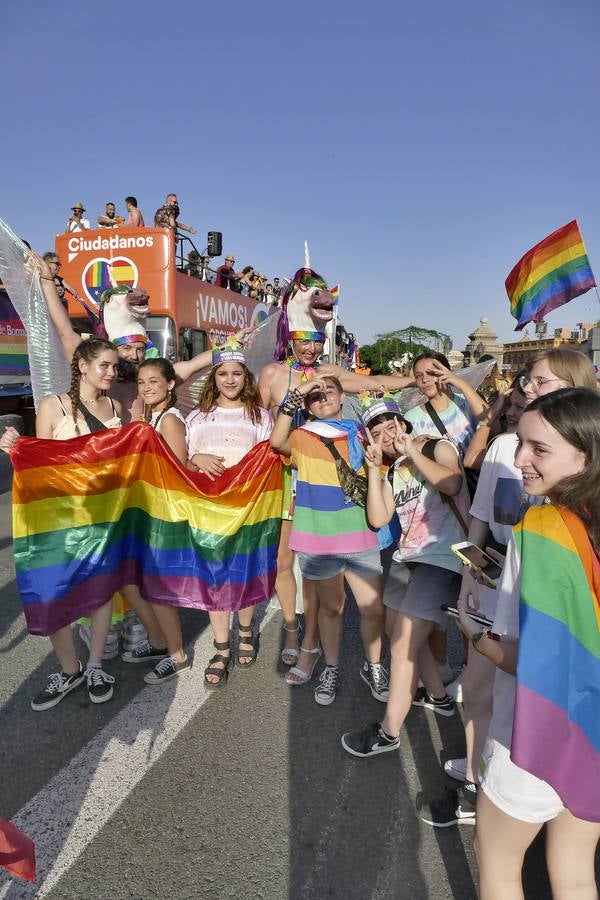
x,y
365,562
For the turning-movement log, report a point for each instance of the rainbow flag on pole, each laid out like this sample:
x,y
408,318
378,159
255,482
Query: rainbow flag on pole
x,y
549,275
115,507
556,726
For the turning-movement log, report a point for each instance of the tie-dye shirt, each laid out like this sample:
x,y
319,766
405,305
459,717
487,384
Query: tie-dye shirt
x,y
457,417
428,524
325,522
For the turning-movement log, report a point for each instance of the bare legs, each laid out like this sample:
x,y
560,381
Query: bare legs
x,y
219,622
367,593
146,614
285,585
64,645
306,661
409,636
330,596
168,621
501,842
478,695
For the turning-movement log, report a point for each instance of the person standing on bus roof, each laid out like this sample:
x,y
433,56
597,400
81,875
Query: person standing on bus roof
x,y
76,222
166,217
134,215
226,276
110,219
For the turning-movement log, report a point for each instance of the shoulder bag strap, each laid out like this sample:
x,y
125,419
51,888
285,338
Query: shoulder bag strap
x,y
91,421
428,450
436,419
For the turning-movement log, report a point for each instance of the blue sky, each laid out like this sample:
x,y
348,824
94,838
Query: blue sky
x,y
420,148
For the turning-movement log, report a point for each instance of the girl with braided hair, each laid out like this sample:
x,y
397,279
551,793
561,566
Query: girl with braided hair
x,y
84,409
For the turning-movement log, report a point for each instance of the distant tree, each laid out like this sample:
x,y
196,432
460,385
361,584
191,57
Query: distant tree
x,y
392,344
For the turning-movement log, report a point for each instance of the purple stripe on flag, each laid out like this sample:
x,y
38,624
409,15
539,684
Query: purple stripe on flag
x,y
539,728
180,591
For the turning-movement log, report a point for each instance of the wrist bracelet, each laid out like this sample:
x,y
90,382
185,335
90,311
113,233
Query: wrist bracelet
x,y
484,634
292,403
46,277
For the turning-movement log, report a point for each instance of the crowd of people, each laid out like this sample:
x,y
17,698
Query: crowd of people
x,y
248,281
377,501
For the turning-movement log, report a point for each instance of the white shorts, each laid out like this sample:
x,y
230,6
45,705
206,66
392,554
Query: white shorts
x,y
513,790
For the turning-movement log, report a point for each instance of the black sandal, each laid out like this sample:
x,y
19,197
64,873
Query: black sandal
x,y
245,654
221,674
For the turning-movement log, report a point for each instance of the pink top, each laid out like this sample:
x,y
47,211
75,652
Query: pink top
x,y
226,432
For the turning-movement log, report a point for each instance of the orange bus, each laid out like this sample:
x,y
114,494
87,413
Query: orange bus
x,y
187,315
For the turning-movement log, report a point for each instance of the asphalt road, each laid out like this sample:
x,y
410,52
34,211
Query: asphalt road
x,y
176,792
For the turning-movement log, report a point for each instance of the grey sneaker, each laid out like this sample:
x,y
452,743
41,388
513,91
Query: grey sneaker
x,y
166,669
111,647
329,682
133,631
376,677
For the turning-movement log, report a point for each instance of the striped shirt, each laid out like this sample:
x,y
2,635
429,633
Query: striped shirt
x,y
325,522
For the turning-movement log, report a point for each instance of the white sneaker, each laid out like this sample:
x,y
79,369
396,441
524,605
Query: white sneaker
x,y
456,768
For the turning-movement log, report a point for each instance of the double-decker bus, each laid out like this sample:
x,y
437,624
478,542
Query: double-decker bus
x,y
187,315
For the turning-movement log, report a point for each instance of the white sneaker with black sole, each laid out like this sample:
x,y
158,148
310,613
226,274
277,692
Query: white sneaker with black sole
x,y
100,685
456,768
444,706
329,682
376,677
58,686
370,742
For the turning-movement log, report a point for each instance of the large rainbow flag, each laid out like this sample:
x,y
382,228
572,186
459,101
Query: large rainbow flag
x,y
115,507
549,275
556,728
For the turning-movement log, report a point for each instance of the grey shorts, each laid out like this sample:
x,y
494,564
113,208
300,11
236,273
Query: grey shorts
x,y
318,568
418,590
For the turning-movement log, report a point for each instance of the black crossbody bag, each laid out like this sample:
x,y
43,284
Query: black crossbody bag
x,y
353,485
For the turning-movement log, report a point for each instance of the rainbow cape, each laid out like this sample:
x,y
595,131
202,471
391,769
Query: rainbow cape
x,y
556,728
115,507
549,275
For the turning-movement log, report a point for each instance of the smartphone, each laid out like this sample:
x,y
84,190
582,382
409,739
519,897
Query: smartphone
x,y
477,558
477,617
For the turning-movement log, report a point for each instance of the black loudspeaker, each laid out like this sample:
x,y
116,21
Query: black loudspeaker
x,y
214,243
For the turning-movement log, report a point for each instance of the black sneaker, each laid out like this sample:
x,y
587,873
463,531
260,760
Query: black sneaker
x,y
144,652
376,677
370,742
100,685
443,707
165,669
456,808
58,686
329,682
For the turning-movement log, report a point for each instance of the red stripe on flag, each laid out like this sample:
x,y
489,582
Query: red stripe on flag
x,y
17,851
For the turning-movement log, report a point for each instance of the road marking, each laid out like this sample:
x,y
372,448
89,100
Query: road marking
x,y
67,814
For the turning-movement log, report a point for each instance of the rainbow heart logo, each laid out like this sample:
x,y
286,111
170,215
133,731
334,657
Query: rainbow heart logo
x,y
101,273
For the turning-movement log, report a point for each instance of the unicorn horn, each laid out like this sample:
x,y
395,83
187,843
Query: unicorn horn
x,y
306,256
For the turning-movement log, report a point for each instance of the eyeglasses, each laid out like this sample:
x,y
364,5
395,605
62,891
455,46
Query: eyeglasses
x,y
536,382
318,345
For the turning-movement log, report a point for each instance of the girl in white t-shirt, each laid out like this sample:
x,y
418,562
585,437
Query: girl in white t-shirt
x,y
227,424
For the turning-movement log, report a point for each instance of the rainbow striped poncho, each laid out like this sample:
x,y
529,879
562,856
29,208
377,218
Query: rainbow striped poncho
x,y
556,728
112,508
